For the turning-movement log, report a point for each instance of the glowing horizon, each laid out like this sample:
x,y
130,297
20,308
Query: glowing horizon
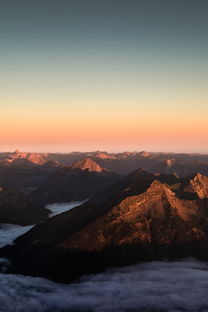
x,y
115,76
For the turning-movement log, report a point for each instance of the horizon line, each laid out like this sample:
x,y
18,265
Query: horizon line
x,y
104,151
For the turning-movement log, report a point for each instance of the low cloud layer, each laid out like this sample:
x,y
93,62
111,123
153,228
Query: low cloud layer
x,y
9,232
155,287
58,208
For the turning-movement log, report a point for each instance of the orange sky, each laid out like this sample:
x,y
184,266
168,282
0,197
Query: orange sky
x,y
128,131
127,76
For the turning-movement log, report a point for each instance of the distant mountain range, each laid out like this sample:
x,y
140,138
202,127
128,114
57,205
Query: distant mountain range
x,y
26,189
142,216
121,163
79,181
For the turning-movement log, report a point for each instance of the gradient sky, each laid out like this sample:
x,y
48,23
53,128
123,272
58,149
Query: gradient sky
x,y
104,75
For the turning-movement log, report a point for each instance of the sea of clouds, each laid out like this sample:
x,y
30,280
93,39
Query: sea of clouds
x,y
148,287
152,287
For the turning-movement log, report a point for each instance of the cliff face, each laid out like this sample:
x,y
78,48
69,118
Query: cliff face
x,y
141,217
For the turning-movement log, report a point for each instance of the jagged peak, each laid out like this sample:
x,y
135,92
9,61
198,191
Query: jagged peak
x,y
87,164
156,184
104,155
160,187
144,154
198,183
141,171
198,176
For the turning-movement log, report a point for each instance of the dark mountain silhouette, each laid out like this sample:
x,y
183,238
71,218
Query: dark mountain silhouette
x,y
79,181
141,217
24,176
16,209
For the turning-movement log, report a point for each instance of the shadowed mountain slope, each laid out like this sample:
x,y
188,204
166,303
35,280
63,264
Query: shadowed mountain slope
x,y
16,209
79,181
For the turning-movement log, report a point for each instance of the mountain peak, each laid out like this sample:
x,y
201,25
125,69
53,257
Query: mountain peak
x,y
17,151
199,184
170,162
144,154
105,155
87,164
35,158
198,176
158,187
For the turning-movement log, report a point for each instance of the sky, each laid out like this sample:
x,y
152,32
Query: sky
x,y
111,75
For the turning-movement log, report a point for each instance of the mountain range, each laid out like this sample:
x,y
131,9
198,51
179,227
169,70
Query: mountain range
x,y
79,181
122,163
142,216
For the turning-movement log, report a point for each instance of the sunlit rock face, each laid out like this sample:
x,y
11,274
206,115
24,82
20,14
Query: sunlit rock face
x,y
36,158
89,165
141,217
196,184
104,155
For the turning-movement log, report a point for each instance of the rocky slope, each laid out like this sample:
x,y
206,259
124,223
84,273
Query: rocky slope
x,y
141,217
79,181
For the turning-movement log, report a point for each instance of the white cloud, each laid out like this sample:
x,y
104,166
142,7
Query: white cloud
x,y
155,287
58,208
9,232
